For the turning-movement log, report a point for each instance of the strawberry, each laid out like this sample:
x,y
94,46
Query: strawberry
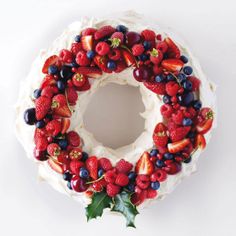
x,y
110,176
53,127
52,60
75,154
156,56
158,88
178,146
179,133
105,163
65,124
104,31
55,166
144,165
78,79
173,50
75,166
138,49
121,180
48,81
53,149
195,82
91,72
200,141
48,91
85,87
166,110
148,35
204,126
143,181
172,88
60,106
99,185
73,138
92,166
65,56
40,140
87,42
82,59
123,166
71,95
128,57
89,31
112,190
162,46
76,47
42,107
160,137
172,125
172,65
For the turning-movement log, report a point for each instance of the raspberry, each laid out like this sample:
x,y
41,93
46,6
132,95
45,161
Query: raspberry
x,y
178,117
53,127
81,58
110,176
75,166
72,95
76,47
88,31
158,175
65,56
143,181
102,48
148,35
166,110
137,49
192,112
112,190
151,193
48,91
105,164
104,31
179,133
159,37
122,180
53,149
73,138
40,140
123,166
172,88
138,198
75,154
157,70
162,46
114,54
195,83
158,88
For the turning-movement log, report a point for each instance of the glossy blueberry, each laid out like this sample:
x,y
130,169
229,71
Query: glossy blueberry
x,y
188,160
29,116
61,85
83,173
197,105
188,99
166,99
188,70
160,163
37,93
40,124
153,152
121,28
181,77
90,54
111,65
132,175
188,85
143,57
159,78
184,59
84,156
77,38
67,176
147,45
66,73
170,77
191,134
63,143
131,187
52,70
100,173
155,185
168,156
74,64
69,185
187,122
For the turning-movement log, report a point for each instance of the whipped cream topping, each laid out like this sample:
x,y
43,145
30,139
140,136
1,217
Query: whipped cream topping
x,y
151,102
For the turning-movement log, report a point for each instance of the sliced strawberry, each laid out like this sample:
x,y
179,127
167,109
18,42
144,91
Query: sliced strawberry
x,y
144,165
92,72
55,166
178,146
200,141
158,88
60,106
128,57
172,65
173,50
92,166
52,60
65,124
87,42
204,126
42,106
48,81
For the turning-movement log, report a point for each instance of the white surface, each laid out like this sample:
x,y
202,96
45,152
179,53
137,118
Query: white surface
x,y
204,204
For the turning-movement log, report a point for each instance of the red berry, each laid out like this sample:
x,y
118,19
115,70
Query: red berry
x,y
112,190
178,117
102,48
158,175
82,59
122,180
138,198
76,47
162,46
114,54
158,88
75,166
53,149
105,164
151,193
123,166
117,39
92,166
195,82
143,181
75,154
157,70
172,88
160,137
42,106
88,31
156,56
73,138
148,35
48,91
78,184
65,56
40,155
137,49
53,127
179,133
166,110
79,79
72,95
40,140
110,176
103,32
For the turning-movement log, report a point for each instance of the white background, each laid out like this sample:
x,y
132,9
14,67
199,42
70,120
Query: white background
x,y
204,204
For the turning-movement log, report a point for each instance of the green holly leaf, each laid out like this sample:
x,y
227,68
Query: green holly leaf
x,y
100,201
123,205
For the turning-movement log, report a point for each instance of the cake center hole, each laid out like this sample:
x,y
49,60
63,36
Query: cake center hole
x,y
112,115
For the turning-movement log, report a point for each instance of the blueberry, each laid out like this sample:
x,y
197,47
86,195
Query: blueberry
x,y
159,78
160,163
180,99
188,99
69,185
63,143
77,38
37,93
143,57
84,156
191,134
90,54
121,28
67,176
61,86
155,185
74,64
197,105
187,122
29,116
131,187
153,152
170,77
100,173
188,70
166,99
188,85
111,65
184,59
52,70
83,173
40,124
147,45
168,156
181,77
132,175
188,160
66,73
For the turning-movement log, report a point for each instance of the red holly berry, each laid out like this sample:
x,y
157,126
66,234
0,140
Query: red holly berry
x,y
166,110
102,48
123,166
104,31
53,149
143,181
148,35
82,59
137,49
65,56
172,88
112,190
105,164
73,138
53,127
42,107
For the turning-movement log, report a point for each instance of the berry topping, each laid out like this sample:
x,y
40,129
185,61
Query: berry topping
x,y
73,138
103,32
123,166
42,107
30,116
87,42
92,166
144,165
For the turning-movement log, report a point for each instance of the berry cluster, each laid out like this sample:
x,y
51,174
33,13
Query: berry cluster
x,y
159,65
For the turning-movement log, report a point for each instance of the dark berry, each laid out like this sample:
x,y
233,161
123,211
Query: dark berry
x,y
187,70
155,185
90,54
40,155
84,156
188,99
29,116
159,78
191,134
61,85
197,105
181,77
37,93
121,28
52,70
187,85
83,173
188,160
160,163
63,143
143,57
131,187
132,175
77,38
168,156
66,73
170,77
40,124
187,122
184,59
166,99
147,45
69,185
111,65
153,152
67,176
100,173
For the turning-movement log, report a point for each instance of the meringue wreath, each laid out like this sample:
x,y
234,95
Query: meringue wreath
x,y
163,71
